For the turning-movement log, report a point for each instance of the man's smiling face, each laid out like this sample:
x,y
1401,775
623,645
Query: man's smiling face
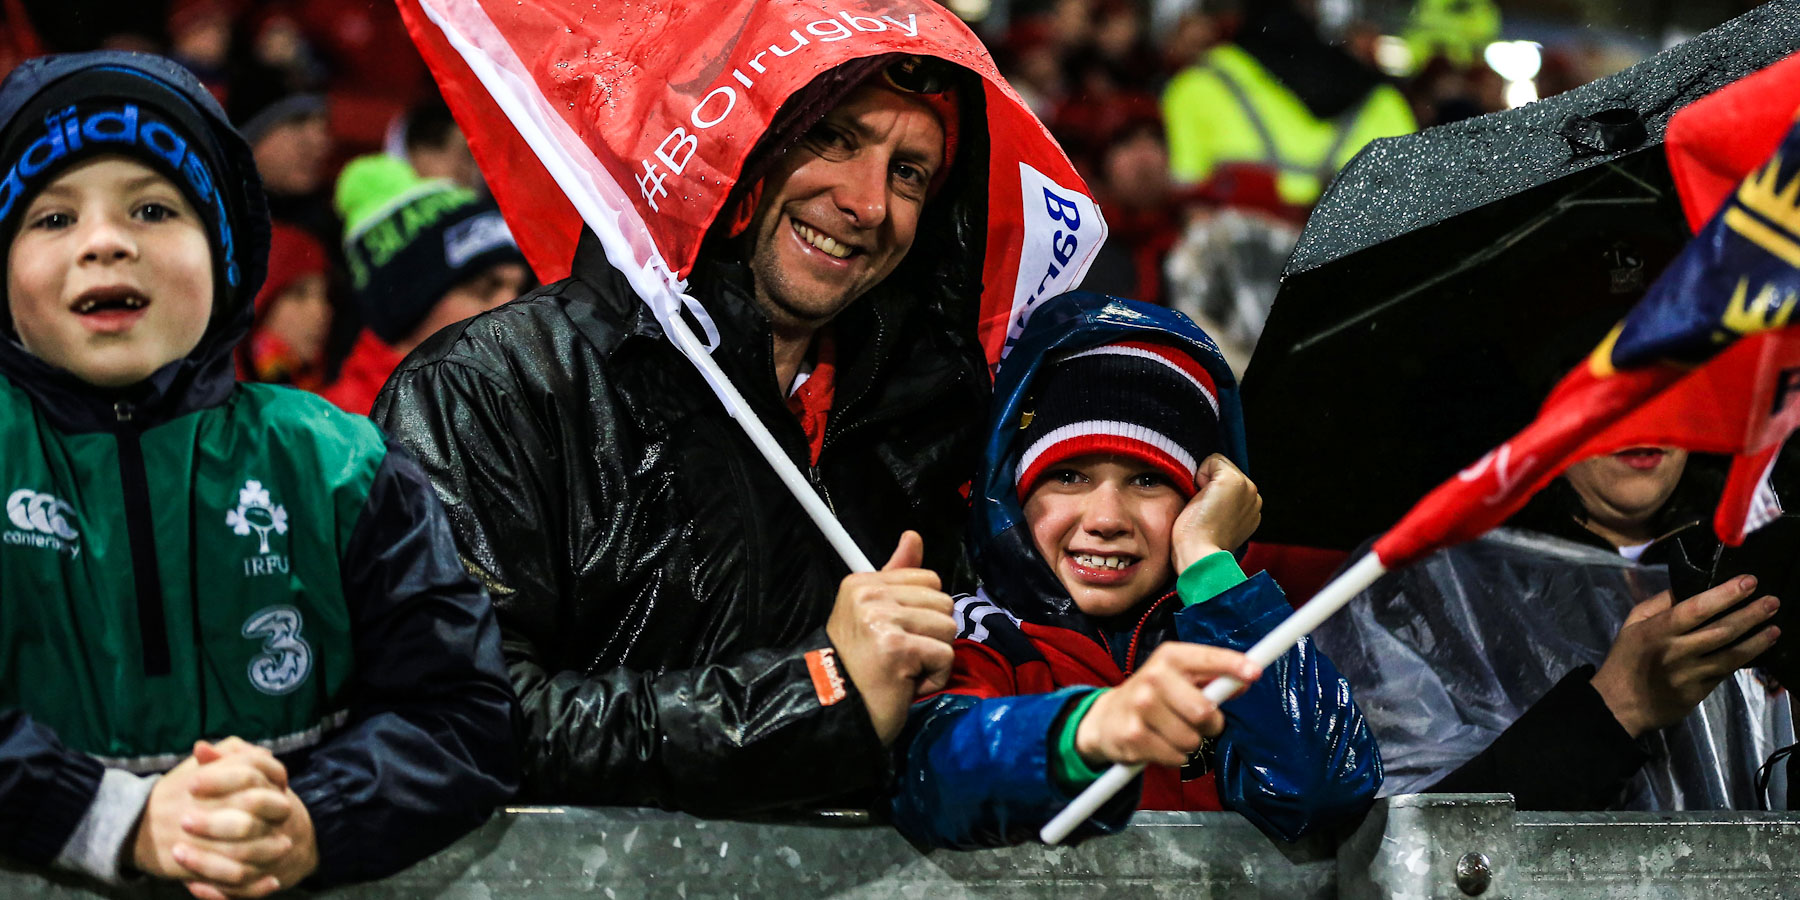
x,y
840,209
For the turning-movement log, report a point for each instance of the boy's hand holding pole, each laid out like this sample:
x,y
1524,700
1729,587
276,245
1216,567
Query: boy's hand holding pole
x,y
226,823
1160,714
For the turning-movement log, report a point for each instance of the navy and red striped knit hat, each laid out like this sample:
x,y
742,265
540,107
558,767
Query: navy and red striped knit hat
x,y
1144,400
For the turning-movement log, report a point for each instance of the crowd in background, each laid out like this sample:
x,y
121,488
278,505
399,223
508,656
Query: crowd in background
x,y
1207,138
1207,148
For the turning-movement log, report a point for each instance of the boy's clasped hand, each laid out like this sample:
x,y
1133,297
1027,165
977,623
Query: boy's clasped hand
x,y
225,822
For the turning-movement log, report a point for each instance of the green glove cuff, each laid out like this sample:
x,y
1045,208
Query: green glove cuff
x,y
1211,575
1067,768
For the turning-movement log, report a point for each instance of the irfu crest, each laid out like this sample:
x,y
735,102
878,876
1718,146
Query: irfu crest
x,y
257,512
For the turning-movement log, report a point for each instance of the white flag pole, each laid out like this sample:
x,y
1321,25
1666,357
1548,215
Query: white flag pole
x,y
1329,600
608,211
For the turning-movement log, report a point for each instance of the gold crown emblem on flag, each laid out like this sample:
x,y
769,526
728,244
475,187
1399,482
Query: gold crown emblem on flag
x,y
1778,206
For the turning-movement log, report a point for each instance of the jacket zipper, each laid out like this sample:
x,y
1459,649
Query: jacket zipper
x,y
1138,632
146,575
832,434
818,483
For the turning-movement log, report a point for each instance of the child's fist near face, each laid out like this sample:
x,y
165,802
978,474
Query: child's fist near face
x,y
1221,515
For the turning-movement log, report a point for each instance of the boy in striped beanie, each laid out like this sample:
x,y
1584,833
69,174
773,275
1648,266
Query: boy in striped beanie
x,y
1112,497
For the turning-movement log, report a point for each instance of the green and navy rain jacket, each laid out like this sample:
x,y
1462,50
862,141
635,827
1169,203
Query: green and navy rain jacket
x,y
192,558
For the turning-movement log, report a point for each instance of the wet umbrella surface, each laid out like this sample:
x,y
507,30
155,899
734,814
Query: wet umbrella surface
x,y
1448,278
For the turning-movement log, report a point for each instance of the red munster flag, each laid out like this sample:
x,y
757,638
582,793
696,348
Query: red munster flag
x,y
1719,138
1708,360
637,119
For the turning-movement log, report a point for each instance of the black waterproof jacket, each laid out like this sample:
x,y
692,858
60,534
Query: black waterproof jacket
x,y
657,586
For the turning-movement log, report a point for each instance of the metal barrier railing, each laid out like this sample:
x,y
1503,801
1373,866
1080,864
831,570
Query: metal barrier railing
x,y
1414,846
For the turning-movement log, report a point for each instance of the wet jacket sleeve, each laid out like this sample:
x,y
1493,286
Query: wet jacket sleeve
x,y
1296,754
1567,752
976,772
739,734
430,748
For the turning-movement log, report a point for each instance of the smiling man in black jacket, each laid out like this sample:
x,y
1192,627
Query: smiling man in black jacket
x,y
678,631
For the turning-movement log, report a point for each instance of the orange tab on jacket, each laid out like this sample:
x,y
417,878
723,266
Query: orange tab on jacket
x,y
827,681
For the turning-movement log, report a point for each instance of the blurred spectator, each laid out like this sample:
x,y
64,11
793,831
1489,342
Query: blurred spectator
x,y
1130,176
293,314
1193,34
1361,40
1457,30
1564,68
18,39
423,254
1444,92
1098,105
292,142
1071,23
1226,268
273,57
375,72
200,39
436,147
367,48
1282,98
1033,64
1120,39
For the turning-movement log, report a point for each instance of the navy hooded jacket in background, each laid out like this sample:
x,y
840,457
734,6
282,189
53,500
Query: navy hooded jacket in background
x,y
1295,754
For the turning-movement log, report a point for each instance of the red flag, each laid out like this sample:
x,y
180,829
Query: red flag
x,y
638,118
1708,361
1720,137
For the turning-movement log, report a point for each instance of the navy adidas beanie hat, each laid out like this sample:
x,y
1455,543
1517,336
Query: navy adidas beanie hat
x,y
115,110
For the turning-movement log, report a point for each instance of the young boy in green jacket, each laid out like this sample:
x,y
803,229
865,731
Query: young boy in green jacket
x,y
237,648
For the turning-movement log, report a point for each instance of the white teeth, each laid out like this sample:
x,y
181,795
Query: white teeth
x,y
823,242
1095,561
130,301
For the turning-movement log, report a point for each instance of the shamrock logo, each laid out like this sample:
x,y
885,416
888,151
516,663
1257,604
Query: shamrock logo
x,y
257,512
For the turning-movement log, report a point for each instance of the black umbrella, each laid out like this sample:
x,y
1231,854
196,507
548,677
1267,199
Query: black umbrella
x,y
1448,278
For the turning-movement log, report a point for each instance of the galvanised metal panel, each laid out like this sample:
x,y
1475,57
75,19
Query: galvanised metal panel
x,y
1417,846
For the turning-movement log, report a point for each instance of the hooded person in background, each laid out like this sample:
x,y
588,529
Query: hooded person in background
x,y
238,649
1109,598
290,136
293,314
435,146
1549,659
423,254
680,632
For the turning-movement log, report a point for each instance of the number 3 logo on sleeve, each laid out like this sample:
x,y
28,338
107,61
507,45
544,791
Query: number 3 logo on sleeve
x,y
286,658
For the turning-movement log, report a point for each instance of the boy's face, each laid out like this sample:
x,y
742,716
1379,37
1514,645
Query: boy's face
x,y
110,274
1103,524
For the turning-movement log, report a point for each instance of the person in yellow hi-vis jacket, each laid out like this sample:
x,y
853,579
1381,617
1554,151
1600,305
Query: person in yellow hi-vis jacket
x,y
1280,97
1457,30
